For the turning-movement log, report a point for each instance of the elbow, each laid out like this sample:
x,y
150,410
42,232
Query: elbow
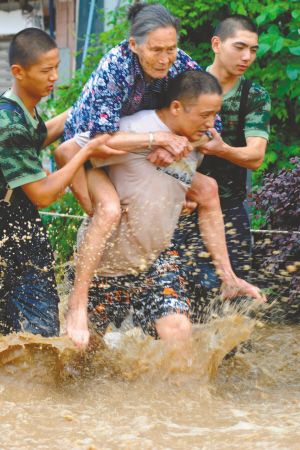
x,y
256,164
44,202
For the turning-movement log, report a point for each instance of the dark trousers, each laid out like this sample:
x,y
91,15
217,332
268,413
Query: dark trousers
x,y
28,294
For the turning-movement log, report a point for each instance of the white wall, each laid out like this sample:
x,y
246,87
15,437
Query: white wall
x,y
11,22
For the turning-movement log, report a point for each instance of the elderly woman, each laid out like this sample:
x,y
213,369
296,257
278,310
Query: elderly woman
x,y
133,76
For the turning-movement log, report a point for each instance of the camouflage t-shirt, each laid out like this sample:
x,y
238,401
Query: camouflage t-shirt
x,y
230,177
21,138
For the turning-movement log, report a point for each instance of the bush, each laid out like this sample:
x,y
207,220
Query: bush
x,y
279,202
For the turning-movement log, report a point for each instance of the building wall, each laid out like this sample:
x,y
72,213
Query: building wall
x,y
65,37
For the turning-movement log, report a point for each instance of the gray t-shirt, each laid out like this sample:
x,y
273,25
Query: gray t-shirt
x,y
152,199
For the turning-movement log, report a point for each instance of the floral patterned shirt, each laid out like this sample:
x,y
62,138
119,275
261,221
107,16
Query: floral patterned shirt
x,y
117,88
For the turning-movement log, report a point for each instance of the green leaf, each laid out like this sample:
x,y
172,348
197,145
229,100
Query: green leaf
x,y
263,48
271,156
277,45
292,72
260,19
241,10
295,50
283,87
295,14
273,30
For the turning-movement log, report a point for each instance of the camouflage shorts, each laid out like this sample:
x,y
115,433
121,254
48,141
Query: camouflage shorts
x,y
153,294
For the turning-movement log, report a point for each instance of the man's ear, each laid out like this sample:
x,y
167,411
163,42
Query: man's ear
x,y
17,71
175,107
215,44
132,44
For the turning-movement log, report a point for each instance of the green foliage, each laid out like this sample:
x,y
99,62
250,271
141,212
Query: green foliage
x,y
61,230
280,50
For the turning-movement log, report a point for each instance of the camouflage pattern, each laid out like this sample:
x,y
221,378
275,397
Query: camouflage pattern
x,y
230,177
20,144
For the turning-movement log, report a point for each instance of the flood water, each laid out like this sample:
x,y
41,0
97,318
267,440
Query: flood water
x,y
133,393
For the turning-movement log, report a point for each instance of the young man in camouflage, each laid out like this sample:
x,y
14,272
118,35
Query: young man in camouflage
x,y
28,296
243,140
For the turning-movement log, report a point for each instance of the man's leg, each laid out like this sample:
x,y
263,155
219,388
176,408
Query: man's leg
x,y
29,298
109,301
107,213
160,302
174,328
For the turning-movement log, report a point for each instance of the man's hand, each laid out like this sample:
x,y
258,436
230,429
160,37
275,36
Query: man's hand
x,y
169,147
215,146
161,157
77,327
177,146
238,287
189,206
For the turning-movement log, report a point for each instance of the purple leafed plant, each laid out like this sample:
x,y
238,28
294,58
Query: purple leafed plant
x,y
279,200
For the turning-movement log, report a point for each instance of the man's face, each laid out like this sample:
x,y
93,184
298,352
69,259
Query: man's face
x,y
193,118
236,53
157,53
39,78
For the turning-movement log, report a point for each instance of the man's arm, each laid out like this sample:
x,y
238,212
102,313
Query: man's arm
x,y
45,191
251,156
204,191
55,127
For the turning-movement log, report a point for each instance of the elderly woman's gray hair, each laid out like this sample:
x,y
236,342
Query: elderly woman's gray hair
x,y
146,18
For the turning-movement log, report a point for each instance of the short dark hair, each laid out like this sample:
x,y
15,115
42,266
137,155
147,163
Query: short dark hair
x,y
228,27
145,18
189,85
27,45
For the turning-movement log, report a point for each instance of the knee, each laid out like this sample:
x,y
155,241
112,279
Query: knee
x,y
65,152
110,211
209,192
204,190
174,327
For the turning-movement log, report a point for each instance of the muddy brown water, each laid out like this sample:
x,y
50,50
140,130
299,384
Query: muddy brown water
x,y
130,392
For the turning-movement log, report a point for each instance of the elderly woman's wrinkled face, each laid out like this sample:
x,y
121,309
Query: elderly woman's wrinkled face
x,y
157,53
